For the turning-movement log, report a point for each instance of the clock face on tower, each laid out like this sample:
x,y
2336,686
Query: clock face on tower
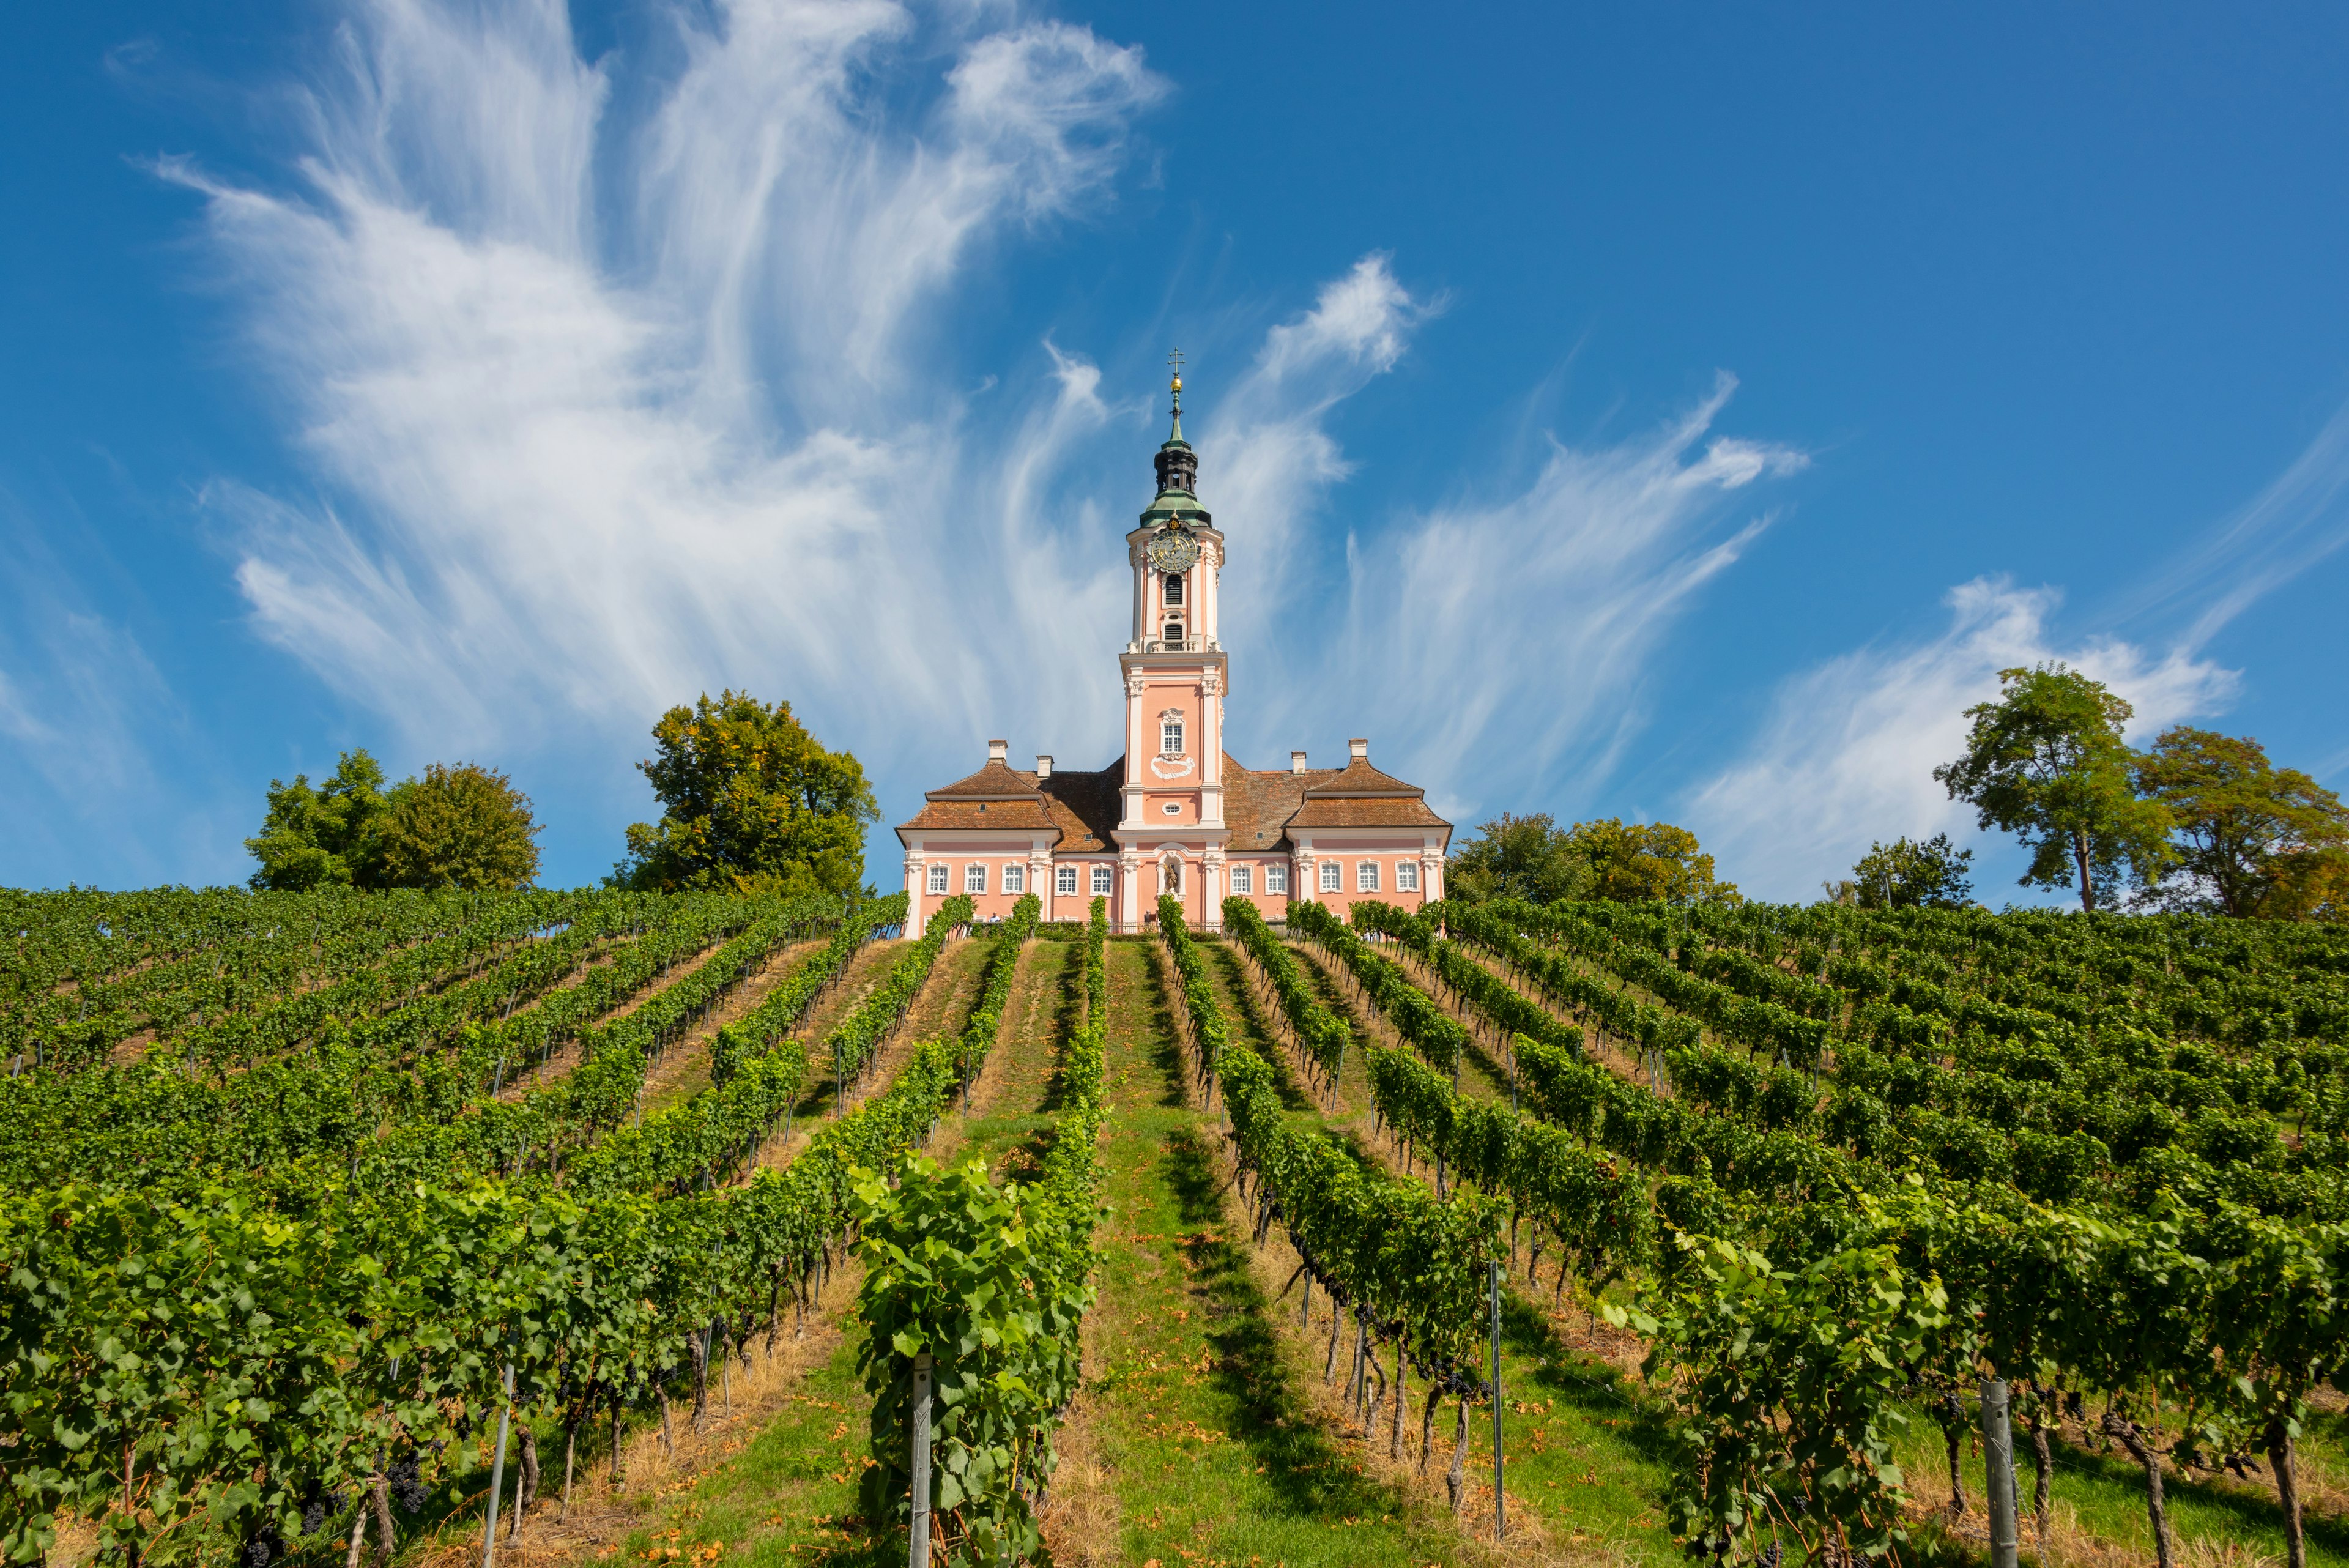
x,y
1173,550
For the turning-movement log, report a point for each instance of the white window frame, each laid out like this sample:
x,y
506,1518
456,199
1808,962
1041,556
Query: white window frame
x,y
1333,876
1064,881
974,878
1366,876
1243,878
1015,877
1275,878
1406,876
941,879
1105,881
1170,737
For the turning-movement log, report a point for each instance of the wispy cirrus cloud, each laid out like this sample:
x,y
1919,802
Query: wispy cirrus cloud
x,y
611,412
1510,637
1845,753
602,413
1845,756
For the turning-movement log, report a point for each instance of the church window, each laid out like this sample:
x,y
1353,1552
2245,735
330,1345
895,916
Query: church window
x,y
1015,878
1243,880
1333,876
974,878
1366,876
1406,876
1174,588
937,879
1170,737
1171,809
1064,880
1101,881
1174,631
1275,878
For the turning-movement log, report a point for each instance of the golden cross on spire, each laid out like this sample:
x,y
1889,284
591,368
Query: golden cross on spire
x,y
1174,360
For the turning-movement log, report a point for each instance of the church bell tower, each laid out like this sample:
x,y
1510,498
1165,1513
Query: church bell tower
x,y
1170,830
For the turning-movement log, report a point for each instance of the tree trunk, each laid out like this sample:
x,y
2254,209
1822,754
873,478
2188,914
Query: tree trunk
x,y
698,1343
570,1451
384,1538
2043,1465
1330,1362
1455,1479
1394,1438
1427,1425
1953,1436
2279,1459
2126,1431
526,1484
2080,855
359,1537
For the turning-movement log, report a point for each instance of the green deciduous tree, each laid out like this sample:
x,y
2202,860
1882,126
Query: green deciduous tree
x,y
463,827
2251,839
1518,857
752,802
1637,860
1908,875
329,836
2046,762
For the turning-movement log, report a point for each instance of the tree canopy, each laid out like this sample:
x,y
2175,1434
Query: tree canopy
x,y
327,836
463,827
752,801
1518,857
1908,875
1637,860
460,827
2251,839
2046,762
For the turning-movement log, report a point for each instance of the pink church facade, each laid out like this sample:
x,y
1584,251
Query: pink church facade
x,y
1176,814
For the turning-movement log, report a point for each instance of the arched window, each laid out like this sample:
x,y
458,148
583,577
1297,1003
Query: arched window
x,y
1174,588
1170,736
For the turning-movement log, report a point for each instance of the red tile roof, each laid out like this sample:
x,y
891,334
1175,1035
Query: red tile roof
x,y
1259,806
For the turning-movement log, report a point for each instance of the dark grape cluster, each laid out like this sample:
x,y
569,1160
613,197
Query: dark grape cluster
x,y
1770,1558
407,1483
263,1547
322,1507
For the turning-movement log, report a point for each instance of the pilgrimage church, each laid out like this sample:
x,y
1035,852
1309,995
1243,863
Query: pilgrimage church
x,y
1175,814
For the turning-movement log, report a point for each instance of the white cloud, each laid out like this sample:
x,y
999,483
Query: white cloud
x,y
613,413
2288,527
1504,643
1845,756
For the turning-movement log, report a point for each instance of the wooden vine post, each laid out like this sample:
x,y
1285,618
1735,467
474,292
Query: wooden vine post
x,y
1998,1472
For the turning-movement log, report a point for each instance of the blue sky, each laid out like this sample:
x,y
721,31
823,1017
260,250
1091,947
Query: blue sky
x,y
1672,411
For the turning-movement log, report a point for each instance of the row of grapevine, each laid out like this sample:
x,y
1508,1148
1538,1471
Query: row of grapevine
x,y
1431,1032
1789,1326
1321,1035
257,1362
979,1292
1412,1270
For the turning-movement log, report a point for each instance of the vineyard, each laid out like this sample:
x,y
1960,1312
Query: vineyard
x,y
551,1227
